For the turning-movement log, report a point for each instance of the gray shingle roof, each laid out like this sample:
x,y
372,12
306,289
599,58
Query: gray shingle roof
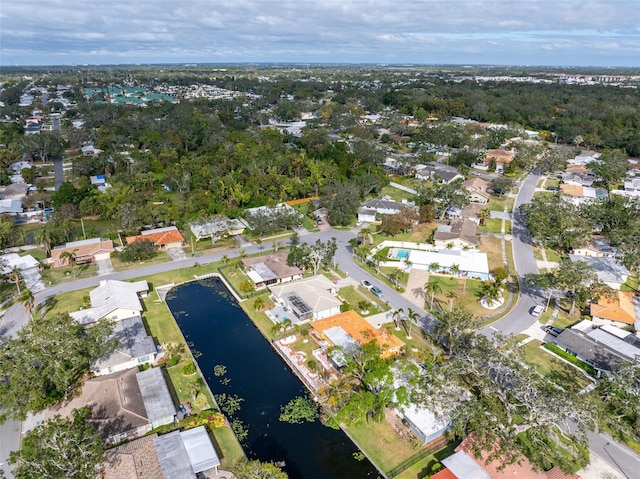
x,y
156,395
201,452
133,342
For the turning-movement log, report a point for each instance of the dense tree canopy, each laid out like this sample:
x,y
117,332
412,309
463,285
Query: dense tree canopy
x,y
46,361
60,449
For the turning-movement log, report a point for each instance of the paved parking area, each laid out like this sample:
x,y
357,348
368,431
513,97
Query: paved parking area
x,y
104,266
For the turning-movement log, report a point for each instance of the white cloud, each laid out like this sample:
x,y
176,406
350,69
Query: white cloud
x,y
428,31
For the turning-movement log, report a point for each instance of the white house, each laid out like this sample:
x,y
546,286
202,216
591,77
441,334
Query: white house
x,y
609,270
459,233
370,209
308,299
135,347
472,264
115,300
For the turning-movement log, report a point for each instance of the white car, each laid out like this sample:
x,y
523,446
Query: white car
x,y
537,311
366,284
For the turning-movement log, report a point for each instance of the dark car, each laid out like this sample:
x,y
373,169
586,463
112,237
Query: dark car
x,y
552,330
377,291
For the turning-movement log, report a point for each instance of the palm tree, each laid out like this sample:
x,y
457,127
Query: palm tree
x,y
412,317
491,291
27,300
258,304
16,276
396,315
433,267
432,289
454,269
46,237
71,257
225,259
451,295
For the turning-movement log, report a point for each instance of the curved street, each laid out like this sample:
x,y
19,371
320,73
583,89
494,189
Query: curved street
x,y
517,320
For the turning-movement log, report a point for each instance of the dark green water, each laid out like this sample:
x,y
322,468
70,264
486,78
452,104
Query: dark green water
x,y
214,325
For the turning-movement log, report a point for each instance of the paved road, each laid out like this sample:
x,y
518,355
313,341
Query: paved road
x,y
58,171
519,318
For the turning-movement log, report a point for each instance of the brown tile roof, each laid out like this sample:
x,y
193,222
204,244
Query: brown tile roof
x,y
476,184
134,460
115,401
580,169
572,190
619,309
523,469
499,156
81,251
276,262
444,474
159,239
360,330
462,228
496,469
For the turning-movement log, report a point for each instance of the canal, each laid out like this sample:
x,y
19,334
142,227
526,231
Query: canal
x,y
221,333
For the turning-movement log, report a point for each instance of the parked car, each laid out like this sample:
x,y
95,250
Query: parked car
x,y
552,330
366,284
537,311
377,291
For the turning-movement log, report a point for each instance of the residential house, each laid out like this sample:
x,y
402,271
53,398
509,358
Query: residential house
x,y
135,347
305,300
501,158
478,190
162,238
271,269
280,210
11,207
156,396
28,266
469,263
219,227
578,194
15,191
176,455
599,247
114,300
460,233
604,348
438,172
632,184
117,407
609,270
371,209
621,311
83,252
466,463
349,330
100,182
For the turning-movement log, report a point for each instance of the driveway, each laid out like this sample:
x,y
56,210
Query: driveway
x,y
176,254
414,291
104,266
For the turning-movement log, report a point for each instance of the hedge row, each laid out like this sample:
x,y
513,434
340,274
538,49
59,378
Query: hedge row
x,y
571,358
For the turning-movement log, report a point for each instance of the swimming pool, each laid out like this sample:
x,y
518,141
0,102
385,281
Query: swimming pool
x,y
402,254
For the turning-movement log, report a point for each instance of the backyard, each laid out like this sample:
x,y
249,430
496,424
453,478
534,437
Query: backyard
x,y
558,371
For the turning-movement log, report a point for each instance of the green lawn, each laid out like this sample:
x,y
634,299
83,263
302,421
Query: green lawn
x,y
382,444
469,299
491,226
229,449
631,285
187,386
422,468
354,296
558,371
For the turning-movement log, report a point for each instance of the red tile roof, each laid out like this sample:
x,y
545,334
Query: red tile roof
x,y
159,239
444,474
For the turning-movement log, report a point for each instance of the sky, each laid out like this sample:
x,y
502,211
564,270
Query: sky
x,y
506,32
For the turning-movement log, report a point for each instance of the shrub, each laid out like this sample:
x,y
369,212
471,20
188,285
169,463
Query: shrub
x,y
571,358
189,368
173,360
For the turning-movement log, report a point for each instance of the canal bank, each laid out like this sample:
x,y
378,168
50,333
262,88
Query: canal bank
x,y
221,334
